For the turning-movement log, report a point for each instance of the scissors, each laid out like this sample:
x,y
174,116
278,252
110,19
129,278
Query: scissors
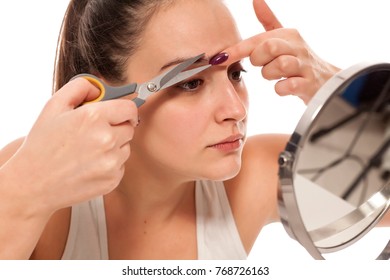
x,y
146,89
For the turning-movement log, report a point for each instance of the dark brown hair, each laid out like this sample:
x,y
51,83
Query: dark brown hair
x,y
98,37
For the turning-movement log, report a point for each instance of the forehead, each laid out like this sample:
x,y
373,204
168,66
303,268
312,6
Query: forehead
x,y
185,28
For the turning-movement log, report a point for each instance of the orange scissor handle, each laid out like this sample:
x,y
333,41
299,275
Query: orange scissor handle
x,y
96,82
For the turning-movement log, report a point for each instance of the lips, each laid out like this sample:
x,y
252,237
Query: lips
x,y
231,143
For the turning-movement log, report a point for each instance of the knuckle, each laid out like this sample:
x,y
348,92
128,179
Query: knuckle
x,y
90,114
107,141
128,106
272,47
284,62
127,109
293,85
78,82
287,87
294,33
287,63
109,165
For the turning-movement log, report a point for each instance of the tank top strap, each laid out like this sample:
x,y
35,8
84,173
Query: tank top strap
x,y
217,233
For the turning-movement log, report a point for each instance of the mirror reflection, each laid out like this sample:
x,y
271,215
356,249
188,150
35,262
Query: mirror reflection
x,y
341,178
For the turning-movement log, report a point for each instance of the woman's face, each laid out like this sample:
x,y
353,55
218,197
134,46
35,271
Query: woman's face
x,y
195,129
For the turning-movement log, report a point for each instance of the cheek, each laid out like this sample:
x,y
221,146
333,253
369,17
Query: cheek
x,y
184,126
174,127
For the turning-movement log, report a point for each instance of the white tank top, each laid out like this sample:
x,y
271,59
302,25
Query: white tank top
x,y
217,234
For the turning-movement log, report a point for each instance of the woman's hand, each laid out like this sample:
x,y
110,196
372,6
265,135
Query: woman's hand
x,y
284,56
72,153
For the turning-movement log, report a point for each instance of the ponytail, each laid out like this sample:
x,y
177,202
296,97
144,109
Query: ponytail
x,y
67,58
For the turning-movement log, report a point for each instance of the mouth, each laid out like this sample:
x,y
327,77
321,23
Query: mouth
x,y
229,144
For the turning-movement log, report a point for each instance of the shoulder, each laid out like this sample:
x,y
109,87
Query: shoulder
x,y
9,150
260,158
253,192
260,155
267,144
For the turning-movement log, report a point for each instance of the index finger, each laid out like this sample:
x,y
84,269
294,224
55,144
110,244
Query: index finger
x,y
266,16
118,111
245,47
242,49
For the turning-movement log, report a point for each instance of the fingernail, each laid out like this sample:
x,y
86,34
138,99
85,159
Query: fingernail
x,y
219,58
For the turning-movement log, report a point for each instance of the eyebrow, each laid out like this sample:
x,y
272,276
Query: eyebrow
x,y
176,61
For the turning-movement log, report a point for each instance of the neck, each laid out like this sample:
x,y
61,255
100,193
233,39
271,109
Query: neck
x,y
147,210
149,190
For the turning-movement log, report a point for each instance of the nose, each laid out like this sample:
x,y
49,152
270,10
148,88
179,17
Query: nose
x,y
232,102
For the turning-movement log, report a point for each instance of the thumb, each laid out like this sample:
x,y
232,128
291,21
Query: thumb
x,y
265,15
75,93
69,97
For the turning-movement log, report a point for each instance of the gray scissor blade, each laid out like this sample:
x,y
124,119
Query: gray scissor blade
x,y
185,75
179,68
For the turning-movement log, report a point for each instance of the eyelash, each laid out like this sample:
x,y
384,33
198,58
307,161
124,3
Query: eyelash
x,y
198,82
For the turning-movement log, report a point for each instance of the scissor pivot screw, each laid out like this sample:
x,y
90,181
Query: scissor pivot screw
x,y
152,87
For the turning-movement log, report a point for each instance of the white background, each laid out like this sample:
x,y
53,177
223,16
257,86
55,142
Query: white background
x,y
340,31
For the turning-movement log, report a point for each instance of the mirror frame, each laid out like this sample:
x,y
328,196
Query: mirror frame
x,y
288,206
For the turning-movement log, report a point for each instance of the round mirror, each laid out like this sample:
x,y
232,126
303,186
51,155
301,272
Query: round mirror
x,y
334,174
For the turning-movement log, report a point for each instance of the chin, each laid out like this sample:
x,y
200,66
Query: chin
x,y
223,173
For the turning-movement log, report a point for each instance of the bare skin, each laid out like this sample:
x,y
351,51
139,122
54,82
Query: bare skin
x,y
186,134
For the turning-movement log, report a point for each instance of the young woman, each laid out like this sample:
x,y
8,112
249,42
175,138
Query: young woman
x,y
176,178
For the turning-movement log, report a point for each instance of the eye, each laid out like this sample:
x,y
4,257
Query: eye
x,y
235,72
191,85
